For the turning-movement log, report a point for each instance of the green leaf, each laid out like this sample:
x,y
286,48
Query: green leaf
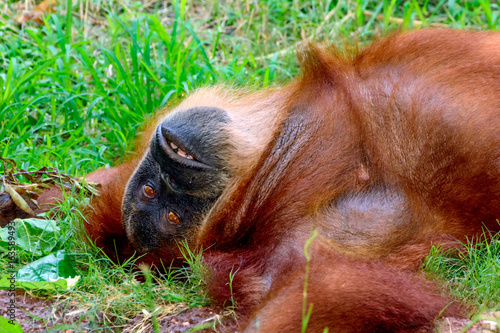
x,y
59,285
50,273
48,268
157,27
36,236
9,326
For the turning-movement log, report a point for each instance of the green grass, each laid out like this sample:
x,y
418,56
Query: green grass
x,y
471,276
75,92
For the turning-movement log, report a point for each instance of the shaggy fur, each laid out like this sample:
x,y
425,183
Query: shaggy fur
x,y
385,151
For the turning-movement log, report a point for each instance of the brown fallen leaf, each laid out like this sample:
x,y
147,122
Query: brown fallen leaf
x,y
36,13
18,200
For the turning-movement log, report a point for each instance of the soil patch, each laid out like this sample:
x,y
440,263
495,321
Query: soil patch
x,y
39,315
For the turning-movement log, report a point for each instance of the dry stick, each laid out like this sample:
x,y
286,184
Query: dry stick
x,y
81,15
98,9
4,171
51,172
85,20
148,4
48,172
349,15
327,17
250,20
401,21
294,46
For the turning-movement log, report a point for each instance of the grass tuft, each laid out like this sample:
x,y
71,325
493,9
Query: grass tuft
x,y
471,276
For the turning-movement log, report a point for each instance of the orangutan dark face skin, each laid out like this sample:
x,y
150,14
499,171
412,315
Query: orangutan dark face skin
x,y
180,177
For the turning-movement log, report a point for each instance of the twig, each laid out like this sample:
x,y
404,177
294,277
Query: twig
x,y
294,46
327,17
48,172
399,20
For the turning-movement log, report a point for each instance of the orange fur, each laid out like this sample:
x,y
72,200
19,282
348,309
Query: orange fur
x,y
401,136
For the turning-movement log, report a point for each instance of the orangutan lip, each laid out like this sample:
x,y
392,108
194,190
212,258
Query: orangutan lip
x,y
164,141
179,151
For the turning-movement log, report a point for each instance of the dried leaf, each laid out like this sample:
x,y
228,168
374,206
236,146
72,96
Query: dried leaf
x,y
25,188
34,195
78,186
9,161
93,188
34,202
19,189
29,187
27,175
18,200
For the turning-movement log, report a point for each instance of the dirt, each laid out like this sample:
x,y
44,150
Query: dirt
x,y
454,325
39,315
213,319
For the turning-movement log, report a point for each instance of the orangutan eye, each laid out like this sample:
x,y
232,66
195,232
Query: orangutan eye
x,y
149,191
179,151
174,218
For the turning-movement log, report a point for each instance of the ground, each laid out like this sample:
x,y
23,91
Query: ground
x,y
33,312
33,315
